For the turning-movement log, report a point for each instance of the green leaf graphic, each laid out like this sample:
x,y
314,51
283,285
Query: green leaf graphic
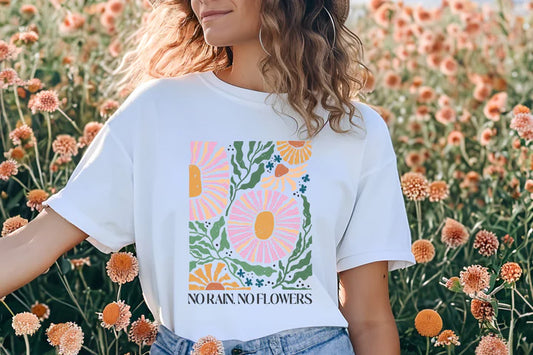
x,y
215,230
257,269
302,262
251,146
238,153
224,243
265,155
254,178
236,169
306,213
303,274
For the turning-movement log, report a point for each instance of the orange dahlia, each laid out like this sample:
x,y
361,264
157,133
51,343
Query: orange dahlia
x,y
122,267
446,338
454,233
510,272
414,186
423,250
428,323
474,278
491,345
143,331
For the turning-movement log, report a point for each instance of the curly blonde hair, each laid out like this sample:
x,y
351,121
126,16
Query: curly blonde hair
x,y
297,33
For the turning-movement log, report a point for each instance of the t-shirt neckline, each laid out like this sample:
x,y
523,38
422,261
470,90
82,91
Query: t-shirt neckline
x,y
237,92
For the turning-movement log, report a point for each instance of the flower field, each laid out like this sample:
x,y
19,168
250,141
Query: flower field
x,y
454,84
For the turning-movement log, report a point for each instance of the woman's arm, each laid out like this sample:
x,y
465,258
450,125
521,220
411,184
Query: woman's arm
x,y
364,302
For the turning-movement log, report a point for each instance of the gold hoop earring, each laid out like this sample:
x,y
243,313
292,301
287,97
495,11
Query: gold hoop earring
x,y
261,40
334,31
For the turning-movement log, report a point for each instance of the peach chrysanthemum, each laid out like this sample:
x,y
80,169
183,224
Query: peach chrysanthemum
x,y
486,242
35,199
446,114
115,314
89,132
507,240
41,310
143,331
12,224
78,263
454,233
474,278
108,107
454,284
414,186
65,145
481,309
56,331
208,345
8,51
522,122
423,250
428,323
438,191
510,272
528,185
25,323
491,345
20,134
455,137
34,84
16,153
122,267
46,101
71,341
8,168
446,338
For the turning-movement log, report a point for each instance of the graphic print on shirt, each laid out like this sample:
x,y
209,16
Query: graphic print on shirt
x,y
249,221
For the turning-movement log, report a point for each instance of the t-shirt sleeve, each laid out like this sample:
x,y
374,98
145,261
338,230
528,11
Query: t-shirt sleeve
x,y
378,228
98,196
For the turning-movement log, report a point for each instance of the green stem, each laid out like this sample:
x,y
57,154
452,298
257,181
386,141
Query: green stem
x,y
38,163
49,142
27,344
71,121
419,218
9,309
118,292
427,346
511,325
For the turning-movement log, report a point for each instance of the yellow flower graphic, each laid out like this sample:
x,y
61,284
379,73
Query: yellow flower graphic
x,y
294,152
282,176
203,278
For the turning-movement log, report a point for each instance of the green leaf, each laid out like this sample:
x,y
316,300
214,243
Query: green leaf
x,y
215,230
197,248
195,238
192,265
257,269
201,226
238,153
251,146
224,243
302,262
301,275
265,155
236,169
297,248
306,213
254,178
192,226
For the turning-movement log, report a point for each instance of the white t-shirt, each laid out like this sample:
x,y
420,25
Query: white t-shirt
x,y
237,221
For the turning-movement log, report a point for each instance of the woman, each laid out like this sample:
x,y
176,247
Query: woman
x,y
241,225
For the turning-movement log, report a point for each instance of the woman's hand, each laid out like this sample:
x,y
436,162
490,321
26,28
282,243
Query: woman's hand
x,y
364,302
